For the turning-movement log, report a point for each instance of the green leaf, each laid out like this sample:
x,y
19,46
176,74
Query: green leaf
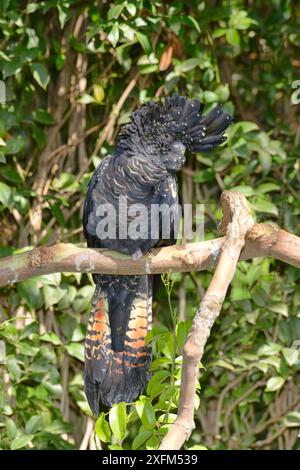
x,y
157,378
68,325
115,11
31,293
233,37
11,429
278,307
53,294
99,93
209,97
58,214
43,117
262,205
190,20
245,126
5,194
40,74
181,333
13,176
175,24
51,338
38,135
146,412
141,437
66,181
58,427
167,395
83,299
146,69
22,441
223,92
265,161
14,145
244,189
291,356
239,293
76,350
274,384
129,34
187,65
131,8
144,42
33,424
118,420
226,365
166,345
26,349
270,349
53,279
85,99
240,20
14,369
167,417
78,334
102,428
152,443
113,35
219,32
159,362
63,11
204,176
267,188
292,419
260,296
11,68
156,390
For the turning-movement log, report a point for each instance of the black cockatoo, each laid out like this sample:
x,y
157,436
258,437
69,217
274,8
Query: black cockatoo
x,y
142,170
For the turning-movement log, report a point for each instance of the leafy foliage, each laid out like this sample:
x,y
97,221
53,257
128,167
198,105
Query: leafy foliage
x,y
73,72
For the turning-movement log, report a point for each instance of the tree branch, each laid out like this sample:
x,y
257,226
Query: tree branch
x,y
237,222
262,240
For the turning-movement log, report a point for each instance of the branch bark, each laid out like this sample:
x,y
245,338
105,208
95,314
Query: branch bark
x,y
237,222
262,240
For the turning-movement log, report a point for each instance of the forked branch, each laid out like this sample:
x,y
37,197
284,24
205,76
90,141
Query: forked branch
x,y
237,222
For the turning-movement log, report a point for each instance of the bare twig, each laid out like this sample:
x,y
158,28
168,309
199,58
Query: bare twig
x,y
89,429
236,403
222,396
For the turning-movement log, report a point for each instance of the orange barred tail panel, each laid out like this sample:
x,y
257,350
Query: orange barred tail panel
x,y
116,356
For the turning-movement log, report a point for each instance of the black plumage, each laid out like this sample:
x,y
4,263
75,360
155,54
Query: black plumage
x,y
142,169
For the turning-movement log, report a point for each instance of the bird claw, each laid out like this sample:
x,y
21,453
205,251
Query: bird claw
x,y
137,255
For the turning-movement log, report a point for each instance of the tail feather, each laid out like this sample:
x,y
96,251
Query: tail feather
x,y
116,356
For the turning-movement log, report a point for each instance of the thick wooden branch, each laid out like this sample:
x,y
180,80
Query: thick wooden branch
x,y
262,240
237,222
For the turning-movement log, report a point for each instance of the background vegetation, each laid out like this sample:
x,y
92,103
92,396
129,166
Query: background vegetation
x,y
74,70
